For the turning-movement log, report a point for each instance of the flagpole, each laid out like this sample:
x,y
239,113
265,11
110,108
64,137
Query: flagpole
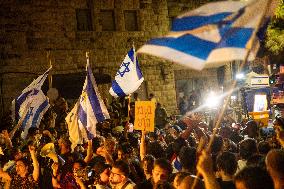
x,y
49,75
88,57
217,125
129,100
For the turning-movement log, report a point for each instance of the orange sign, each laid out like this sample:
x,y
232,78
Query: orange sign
x,y
144,115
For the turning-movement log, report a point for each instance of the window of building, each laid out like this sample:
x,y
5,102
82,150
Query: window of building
x,y
130,19
107,20
84,20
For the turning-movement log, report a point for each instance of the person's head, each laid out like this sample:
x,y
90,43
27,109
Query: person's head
x,y
278,125
217,144
135,95
158,105
187,157
155,149
263,147
225,132
97,142
77,165
161,171
227,163
148,164
119,172
178,144
178,178
22,167
275,164
61,105
253,178
124,151
251,129
191,141
110,145
256,160
163,185
101,172
33,131
247,148
16,154
64,144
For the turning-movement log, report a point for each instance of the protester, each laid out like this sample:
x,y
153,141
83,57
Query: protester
x,y
170,157
275,166
119,176
23,177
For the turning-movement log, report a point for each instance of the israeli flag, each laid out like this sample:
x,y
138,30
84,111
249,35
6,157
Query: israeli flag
x,y
215,33
91,106
128,78
31,105
75,134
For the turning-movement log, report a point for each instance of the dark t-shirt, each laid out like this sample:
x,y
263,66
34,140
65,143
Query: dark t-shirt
x,y
145,184
226,184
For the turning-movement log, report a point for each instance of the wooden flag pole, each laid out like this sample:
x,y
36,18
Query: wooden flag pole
x,y
249,48
50,74
88,56
126,127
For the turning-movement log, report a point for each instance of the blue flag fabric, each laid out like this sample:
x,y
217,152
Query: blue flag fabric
x,y
128,78
31,105
215,33
91,108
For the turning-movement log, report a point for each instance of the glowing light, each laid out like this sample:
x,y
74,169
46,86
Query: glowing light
x,y
204,106
240,76
212,100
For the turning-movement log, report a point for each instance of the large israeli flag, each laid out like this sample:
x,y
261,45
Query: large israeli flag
x,y
216,32
91,106
31,105
75,134
128,78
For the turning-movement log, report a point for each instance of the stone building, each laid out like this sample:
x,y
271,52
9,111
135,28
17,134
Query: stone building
x,y
30,29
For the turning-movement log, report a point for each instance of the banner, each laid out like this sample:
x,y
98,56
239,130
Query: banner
x,y
144,115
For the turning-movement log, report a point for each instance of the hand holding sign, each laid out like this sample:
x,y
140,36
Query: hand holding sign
x,y
144,115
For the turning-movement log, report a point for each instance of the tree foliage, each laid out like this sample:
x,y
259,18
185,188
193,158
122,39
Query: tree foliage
x,y
275,31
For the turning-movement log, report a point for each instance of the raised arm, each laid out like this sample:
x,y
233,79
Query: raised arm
x,y
190,125
35,163
143,145
7,139
89,155
4,175
103,152
205,168
55,175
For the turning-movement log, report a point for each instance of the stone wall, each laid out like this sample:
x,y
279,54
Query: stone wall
x,y
32,28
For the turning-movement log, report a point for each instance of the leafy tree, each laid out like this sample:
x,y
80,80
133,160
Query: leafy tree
x,y
275,31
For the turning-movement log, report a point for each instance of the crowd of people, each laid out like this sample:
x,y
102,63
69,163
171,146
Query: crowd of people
x,y
178,154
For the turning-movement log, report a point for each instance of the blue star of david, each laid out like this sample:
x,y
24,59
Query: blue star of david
x,y
35,92
124,65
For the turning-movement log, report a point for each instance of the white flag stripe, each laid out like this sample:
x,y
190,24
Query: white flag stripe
x,y
198,39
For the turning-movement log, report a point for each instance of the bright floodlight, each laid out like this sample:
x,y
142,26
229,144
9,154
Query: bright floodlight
x,y
212,100
240,76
